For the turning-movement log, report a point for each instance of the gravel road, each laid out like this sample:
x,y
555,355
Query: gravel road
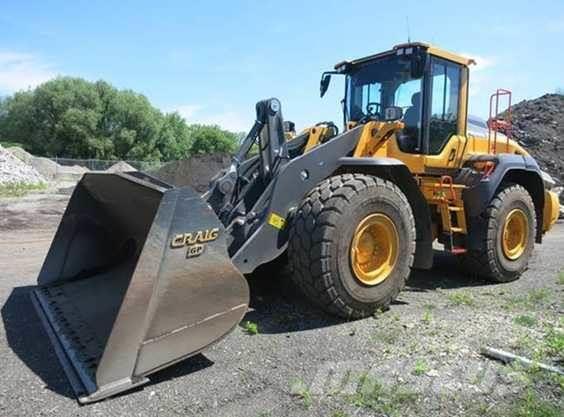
x,y
419,358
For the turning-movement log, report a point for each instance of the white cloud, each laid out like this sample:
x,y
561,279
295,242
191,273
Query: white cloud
x,y
20,71
229,120
188,110
482,62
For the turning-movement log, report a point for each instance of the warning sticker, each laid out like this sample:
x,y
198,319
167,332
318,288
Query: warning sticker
x,y
276,221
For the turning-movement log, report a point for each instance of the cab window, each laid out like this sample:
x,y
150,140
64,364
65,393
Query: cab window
x,y
445,87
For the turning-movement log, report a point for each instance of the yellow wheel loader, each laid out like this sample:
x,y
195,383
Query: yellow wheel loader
x,y
141,274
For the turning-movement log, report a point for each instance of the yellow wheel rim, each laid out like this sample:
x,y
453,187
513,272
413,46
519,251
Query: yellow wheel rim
x,y
374,249
515,234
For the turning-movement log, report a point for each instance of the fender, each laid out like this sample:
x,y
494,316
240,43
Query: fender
x,y
397,172
264,237
519,169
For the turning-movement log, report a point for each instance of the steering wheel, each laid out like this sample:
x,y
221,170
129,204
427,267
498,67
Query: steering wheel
x,y
372,112
373,108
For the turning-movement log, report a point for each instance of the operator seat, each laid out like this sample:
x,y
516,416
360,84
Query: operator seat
x,y
407,139
413,114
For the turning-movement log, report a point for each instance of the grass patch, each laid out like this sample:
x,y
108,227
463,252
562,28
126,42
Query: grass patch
x,y
533,298
528,405
420,367
554,343
461,298
339,413
532,406
250,327
300,390
525,320
378,313
19,189
388,336
538,295
560,278
427,316
390,401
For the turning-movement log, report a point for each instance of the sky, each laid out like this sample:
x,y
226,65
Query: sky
x,y
213,60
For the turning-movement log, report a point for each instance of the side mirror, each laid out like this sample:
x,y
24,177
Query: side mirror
x,y
324,84
392,113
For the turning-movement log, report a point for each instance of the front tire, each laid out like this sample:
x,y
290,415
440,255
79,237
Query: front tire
x,y
508,236
351,244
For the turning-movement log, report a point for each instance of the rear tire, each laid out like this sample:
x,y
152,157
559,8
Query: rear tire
x,y
322,234
493,261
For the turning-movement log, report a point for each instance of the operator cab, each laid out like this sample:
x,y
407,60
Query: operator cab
x,y
422,86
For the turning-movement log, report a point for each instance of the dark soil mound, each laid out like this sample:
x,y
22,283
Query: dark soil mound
x,y
195,172
538,125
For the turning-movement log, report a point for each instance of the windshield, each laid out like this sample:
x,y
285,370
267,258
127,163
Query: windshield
x,y
386,82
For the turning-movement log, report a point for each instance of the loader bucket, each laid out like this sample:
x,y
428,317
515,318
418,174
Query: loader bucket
x,y
137,278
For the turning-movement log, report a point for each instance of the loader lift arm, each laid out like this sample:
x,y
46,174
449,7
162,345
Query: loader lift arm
x,y
257,210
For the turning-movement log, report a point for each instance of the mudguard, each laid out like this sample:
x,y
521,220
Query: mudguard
x,y
521,169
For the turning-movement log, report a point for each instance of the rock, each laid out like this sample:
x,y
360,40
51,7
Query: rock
x,y
14,171
21,154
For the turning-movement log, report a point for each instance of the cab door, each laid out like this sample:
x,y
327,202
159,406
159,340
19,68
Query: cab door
x,y
445,115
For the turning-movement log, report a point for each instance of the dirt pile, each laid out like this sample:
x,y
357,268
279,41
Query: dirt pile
x,y
195,172
15,171
121,166
538,125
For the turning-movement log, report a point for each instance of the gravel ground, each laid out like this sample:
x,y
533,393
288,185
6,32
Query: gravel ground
x,y
419,358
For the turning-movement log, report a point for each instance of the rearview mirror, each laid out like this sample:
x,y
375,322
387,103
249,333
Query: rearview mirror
x,y
324,84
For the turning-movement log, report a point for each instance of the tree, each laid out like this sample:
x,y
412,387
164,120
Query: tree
x,y
174,138
211,139
75,118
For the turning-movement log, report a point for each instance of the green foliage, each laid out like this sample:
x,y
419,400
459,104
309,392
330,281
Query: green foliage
x,y
211,139
420,367
461,298
532,406
533,299
560,278
75,118
9,144
554,342
19,189
250,327
299,389
427,314
390,401
525,320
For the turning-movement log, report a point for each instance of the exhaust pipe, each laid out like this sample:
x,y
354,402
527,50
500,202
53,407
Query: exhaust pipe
x,y
137,278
